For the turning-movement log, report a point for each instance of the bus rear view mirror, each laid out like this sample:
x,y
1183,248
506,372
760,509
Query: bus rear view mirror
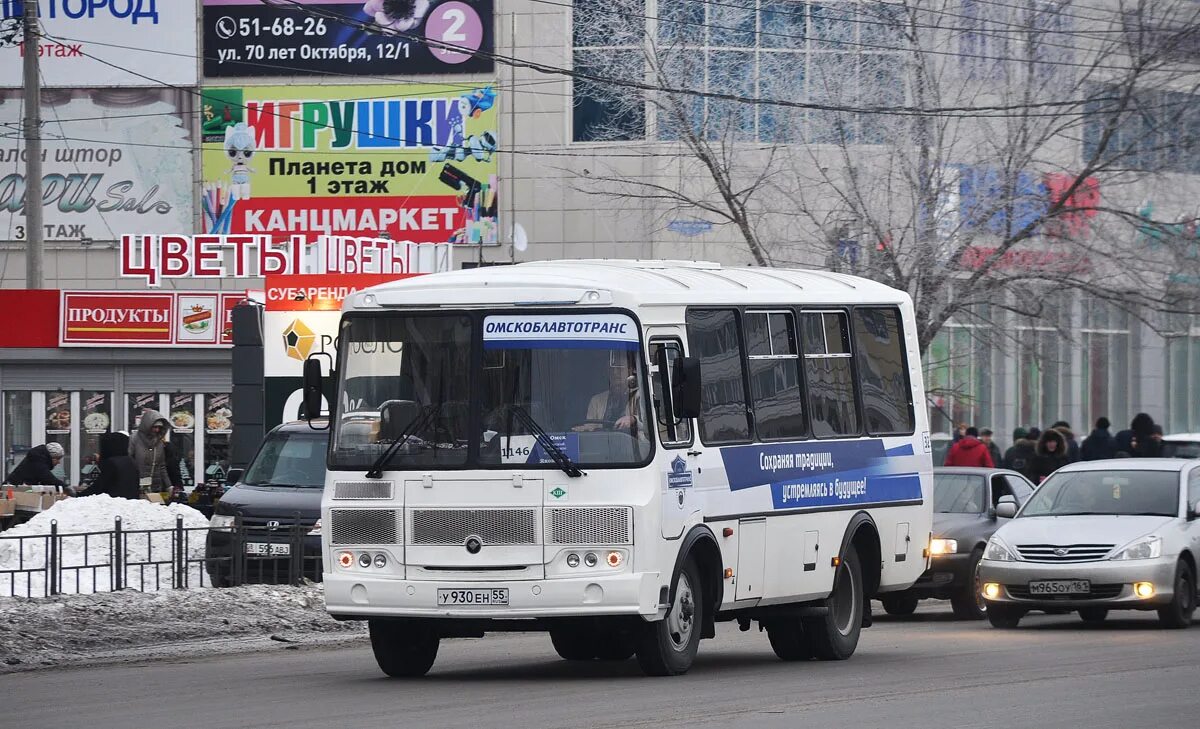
x,y
686,387
312,388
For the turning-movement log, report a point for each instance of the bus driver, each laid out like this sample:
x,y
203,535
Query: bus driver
x,y
615,406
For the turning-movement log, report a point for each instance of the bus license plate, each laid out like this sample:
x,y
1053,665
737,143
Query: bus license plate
x,y
490,596
269,549
1060,587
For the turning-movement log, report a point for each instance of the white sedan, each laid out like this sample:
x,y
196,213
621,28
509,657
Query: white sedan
x,y
1098,536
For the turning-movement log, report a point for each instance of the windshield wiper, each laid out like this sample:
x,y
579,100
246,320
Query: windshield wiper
x,y
561,459
418,422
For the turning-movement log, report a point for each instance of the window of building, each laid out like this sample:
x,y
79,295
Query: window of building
x,y
774,362
1105,340
97,415
1043,346
959,377
713,338
1002,40
882,371
829,374
18,428
1158,131
1183,377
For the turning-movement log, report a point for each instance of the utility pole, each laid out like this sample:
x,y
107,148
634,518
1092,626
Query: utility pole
x,y
34,250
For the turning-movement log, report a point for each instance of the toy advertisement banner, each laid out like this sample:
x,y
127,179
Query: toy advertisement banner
x,y
115,161
103,43
347,37
411,162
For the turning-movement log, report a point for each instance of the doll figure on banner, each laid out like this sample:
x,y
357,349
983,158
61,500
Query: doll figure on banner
x,y
239,145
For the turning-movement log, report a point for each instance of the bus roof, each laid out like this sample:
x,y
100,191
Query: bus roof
x,y
635,282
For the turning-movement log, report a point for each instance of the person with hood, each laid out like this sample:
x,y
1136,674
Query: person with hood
x,y
1100,444
1145,445
1051,454
1064,427
119,475
969,451
1019,457
37,467
985,435
147,448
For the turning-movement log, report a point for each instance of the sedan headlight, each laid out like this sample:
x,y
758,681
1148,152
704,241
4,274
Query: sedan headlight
x,y
938,546
221,521
1144,548
998,551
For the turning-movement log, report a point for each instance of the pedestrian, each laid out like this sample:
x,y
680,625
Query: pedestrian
x,y
969,451
959,432
37,467
1019,457
148,449
1145,445
1051,454
985,435
1100,443
119,475
1064,427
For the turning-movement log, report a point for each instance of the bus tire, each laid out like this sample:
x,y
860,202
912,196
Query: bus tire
x,y
788,639
899,603
403,649
834,636
573,644
668,647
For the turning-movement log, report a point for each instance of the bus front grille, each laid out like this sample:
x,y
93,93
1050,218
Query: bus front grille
x,y
600,526
492,526
363,526
362,490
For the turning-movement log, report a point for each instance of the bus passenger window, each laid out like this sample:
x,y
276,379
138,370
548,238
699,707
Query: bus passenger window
x,y
829,374
713,336
883,371
774,362
682,427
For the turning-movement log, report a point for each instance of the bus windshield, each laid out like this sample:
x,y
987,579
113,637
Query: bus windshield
x,y
577,378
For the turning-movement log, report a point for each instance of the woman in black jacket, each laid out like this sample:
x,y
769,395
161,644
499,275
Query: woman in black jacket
x,y
1051,455
118,473
37,468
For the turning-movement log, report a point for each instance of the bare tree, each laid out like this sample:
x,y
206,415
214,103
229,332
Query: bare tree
x,y
974,153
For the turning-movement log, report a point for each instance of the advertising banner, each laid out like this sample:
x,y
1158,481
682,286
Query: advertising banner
x,y
116,161
146,318
90,43
413,163
347,37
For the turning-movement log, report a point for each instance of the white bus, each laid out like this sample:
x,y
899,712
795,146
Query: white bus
x,y
623,453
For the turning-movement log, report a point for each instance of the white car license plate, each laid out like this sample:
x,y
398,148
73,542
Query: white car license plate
x,y
447,597
1060,587
269,549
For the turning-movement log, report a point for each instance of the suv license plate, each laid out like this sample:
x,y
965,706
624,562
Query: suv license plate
x,y
281,549
1060,587
472,597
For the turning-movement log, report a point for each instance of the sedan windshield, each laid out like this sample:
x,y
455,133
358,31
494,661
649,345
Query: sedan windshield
x,y
290,459
958,493
1149,493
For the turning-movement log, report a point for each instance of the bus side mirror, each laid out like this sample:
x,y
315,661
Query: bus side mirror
x,y
1006,508
312,389
686,387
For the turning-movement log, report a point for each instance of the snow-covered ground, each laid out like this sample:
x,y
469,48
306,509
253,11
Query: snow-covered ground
x,y
68,629
95,516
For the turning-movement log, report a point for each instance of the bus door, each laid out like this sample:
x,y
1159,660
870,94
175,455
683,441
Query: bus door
x,y
677,457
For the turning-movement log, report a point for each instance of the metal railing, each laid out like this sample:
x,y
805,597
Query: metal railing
x,y
57,563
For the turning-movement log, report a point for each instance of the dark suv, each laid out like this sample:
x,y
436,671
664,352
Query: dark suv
x,y
267,527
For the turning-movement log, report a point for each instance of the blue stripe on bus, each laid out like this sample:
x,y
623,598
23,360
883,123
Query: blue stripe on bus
x,y
846,488
902,450
560,344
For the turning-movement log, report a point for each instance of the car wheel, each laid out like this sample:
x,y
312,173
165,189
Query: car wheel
x,y
667,647
968,603
834,636
1178,613
219,578
573,644
1002,616
1093,615
899,603
403,649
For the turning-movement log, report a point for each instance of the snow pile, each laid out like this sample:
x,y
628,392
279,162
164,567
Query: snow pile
x,y
90,521
54,631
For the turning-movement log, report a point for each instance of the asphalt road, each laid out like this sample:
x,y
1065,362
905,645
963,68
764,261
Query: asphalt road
x,y
924,671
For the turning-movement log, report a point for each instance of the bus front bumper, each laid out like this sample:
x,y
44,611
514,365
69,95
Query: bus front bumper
x,y
355,596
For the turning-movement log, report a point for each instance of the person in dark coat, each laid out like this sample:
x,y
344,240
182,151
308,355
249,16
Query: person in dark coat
x,y
969,451
147,447
1100,443
118,473
1123,444
1145,445
37,467
1064,427
1051,455
1019,457
985,435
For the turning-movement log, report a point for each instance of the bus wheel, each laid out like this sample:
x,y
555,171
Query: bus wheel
x,y
573,644
834,636
616,645
403,649
788,639
668,647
